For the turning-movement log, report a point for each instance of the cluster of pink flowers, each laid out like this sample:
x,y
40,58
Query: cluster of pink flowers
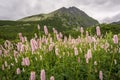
x,y
20,36
89,39
18,71
55,31
52,78
22,39
115,39
15,53
75,51
20,47
47,43
42,75
88,56
65,39
34,45
45,30
8,45
25,61
59,36
51,47
32,75
101,75
98,32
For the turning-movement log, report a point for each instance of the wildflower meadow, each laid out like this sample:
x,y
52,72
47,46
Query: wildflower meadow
x,y
60,57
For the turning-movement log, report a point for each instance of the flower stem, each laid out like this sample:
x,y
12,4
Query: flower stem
x,y
111,65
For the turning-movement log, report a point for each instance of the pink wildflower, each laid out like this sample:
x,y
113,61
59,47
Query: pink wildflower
x,y
15,53
33,44
101,75
22,48
88,56
19,46
55,31
18,71
42,75
75,51
25,61
45,30
115,39
65,39
60,35
51,47
52,78
89,39
81,30
93,39
23,39
20,36
32,75
6,52
98,32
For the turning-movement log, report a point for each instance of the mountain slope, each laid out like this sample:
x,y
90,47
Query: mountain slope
x,y
116,22
71,16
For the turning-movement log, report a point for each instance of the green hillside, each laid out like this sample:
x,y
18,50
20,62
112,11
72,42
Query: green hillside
x,y
10,29
71,16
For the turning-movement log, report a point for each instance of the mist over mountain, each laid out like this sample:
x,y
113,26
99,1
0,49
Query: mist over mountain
x,y
112,19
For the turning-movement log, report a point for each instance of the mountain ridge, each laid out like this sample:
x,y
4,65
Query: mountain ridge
x,y
71,16
118,22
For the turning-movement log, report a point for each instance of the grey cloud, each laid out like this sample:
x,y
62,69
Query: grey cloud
x,y
112,19
98,9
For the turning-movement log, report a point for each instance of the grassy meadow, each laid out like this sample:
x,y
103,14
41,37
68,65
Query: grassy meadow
x,y
37,52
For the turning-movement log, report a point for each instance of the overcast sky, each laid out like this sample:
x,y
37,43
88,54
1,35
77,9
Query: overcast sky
x,y
102,10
